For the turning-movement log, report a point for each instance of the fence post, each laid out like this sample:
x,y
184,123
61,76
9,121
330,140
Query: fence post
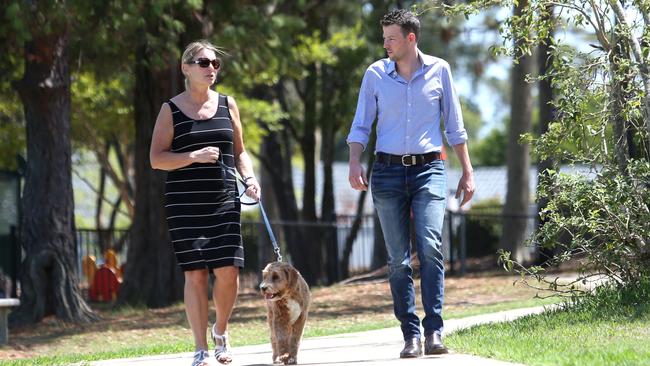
x,y
450,230
15,254
463,243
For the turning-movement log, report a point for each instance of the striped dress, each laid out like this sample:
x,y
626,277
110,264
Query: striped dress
x,y
202,204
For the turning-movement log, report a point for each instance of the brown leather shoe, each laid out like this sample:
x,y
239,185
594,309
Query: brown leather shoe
x,y
412,348
433,345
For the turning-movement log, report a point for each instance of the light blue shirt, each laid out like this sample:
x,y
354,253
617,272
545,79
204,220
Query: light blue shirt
x,y
408,112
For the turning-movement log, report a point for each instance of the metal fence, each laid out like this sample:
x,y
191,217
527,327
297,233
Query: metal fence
x,y
477,234
465,235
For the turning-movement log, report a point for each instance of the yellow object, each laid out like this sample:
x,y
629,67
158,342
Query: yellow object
x,y
110,258
89,267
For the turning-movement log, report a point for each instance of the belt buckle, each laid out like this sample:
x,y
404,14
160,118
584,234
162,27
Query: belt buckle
x,y
407,163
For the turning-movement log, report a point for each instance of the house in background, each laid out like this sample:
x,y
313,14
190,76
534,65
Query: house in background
x,y
491,184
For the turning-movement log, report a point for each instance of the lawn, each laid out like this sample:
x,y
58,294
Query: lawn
x,y
128,332
609,333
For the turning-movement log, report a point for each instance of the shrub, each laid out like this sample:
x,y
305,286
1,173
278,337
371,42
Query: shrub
x,y
483,228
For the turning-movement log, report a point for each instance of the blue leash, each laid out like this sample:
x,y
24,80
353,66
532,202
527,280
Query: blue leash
x,y
276,247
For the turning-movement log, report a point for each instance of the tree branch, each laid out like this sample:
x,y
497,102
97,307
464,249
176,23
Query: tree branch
x,y
638,55
599,32
90,185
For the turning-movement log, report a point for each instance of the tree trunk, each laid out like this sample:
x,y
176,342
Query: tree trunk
x,y
124,188
276,159
308,146
151,274
328,209
49,274
619,9
546,116
619,98
101,190
517,203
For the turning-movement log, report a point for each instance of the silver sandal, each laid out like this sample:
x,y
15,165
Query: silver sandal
x,y
221,349
200,358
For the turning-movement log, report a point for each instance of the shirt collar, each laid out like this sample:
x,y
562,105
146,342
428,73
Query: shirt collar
x,y
425,59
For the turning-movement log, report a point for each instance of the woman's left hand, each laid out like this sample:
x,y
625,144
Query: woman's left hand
x,y
253,188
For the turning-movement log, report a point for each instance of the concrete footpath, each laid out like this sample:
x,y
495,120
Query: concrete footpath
x,y
375,347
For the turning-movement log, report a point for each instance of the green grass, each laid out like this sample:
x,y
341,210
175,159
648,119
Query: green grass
x,y
245,333
611,328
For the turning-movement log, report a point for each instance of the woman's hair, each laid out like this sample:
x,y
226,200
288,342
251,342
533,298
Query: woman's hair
x,y
195,47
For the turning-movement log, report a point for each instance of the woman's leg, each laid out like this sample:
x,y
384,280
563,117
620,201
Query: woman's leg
x,y
224,295
196,305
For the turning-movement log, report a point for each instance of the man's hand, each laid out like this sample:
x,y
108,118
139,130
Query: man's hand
x,y
465,186
357,177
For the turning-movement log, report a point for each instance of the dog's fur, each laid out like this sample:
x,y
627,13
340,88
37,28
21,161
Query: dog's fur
x,y
287,299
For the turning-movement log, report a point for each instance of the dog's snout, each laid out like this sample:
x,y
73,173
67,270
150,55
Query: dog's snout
x,y
263,286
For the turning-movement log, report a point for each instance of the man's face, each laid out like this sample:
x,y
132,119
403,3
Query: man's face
x,y
396,44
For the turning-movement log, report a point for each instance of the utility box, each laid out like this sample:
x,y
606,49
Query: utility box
x,y
10,252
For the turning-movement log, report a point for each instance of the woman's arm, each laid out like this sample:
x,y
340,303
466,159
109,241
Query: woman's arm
x,y
160,155
242,160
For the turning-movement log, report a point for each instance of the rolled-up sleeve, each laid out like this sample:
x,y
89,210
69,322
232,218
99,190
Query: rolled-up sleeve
x,y
366,112
451,113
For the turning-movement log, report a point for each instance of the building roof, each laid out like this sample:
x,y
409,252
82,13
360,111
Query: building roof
x,y
491,183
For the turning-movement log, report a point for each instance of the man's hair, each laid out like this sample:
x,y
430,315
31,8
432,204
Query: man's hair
x,y
405,19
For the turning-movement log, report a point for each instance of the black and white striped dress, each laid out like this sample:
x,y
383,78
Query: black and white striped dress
x,y
202,204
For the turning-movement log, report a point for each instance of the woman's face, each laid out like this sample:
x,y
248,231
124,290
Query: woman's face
x,y
202,76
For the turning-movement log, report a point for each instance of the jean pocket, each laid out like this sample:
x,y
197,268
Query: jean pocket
x,y
378,166
437,164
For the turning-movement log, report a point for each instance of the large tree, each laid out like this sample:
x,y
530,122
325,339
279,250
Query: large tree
x,y
601,121
48,280
546,114
517,204
151,275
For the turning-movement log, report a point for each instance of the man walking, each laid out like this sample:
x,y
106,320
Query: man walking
x,y
410,92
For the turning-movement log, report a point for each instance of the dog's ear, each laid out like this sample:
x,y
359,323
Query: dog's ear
x,y
292,276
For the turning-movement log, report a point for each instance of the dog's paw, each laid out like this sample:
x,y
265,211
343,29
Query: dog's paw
x,y
287,359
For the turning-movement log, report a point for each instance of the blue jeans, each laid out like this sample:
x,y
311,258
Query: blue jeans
x,y
398,192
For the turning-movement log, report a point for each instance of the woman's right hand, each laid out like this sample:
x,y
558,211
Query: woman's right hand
x,y
208,154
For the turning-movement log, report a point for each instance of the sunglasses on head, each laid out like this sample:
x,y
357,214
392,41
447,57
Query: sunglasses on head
x,y
205,62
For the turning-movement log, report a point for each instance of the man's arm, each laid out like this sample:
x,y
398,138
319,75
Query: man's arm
x,y
466,183
360,131
357,175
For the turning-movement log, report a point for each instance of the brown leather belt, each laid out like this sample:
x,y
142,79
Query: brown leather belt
x,y
408,160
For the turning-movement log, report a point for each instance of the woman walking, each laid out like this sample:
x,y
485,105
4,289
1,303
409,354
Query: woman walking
x,y
197,139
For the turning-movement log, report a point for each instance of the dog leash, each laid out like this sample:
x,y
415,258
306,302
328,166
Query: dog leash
x,y
276,247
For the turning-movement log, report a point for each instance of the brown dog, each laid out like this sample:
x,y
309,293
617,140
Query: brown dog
x,y
287,299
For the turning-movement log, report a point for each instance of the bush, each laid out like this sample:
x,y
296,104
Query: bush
x,y
483,228
607,220
616,301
